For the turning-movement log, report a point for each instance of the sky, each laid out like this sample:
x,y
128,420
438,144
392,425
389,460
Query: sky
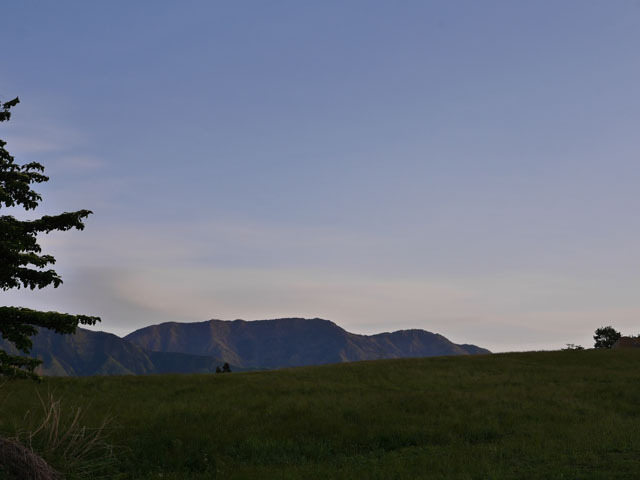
x,y
468,168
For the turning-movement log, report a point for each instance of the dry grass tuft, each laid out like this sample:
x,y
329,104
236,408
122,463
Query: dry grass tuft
x,y
59,435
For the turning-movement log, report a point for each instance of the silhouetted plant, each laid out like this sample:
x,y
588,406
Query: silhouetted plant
x,y
226,368
61,440
22,263
605,337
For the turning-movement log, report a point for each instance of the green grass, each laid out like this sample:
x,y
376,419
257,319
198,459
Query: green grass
x,y
547,415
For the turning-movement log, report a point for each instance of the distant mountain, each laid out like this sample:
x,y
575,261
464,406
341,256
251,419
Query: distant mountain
x,y
99,353
201,347
289,342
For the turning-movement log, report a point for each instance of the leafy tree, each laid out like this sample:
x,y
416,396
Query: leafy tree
x,y
226,368
605,337
22,263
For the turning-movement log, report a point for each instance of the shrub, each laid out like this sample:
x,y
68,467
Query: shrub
x,y
605,337
59,436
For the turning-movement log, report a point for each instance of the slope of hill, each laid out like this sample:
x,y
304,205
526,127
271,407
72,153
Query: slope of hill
x,y
289,342
536,415
99,353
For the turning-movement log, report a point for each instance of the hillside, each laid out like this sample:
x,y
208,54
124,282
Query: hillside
x,y
541,415
289,342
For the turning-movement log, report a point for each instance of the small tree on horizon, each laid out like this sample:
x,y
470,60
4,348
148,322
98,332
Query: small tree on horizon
x,y
605,337
22,264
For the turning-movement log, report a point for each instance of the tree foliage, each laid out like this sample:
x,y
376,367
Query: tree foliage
x,y
605,337
22,263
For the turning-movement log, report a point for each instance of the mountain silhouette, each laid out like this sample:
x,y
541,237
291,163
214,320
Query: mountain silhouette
x,y
290,342
246,345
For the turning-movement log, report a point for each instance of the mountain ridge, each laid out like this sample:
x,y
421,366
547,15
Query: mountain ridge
x,y
289,342
200,347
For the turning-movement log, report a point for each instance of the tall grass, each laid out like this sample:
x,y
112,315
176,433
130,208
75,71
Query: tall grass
x,y
551,415
56,433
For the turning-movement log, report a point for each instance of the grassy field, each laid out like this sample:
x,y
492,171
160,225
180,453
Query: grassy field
x,y
547,415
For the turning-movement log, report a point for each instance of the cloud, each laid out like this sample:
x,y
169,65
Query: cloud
x,y
485,311
135,276
77,163
214,244
29,145
33,134
130,298
60,147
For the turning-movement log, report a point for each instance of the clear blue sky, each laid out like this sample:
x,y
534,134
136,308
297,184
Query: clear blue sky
x,y
469,168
